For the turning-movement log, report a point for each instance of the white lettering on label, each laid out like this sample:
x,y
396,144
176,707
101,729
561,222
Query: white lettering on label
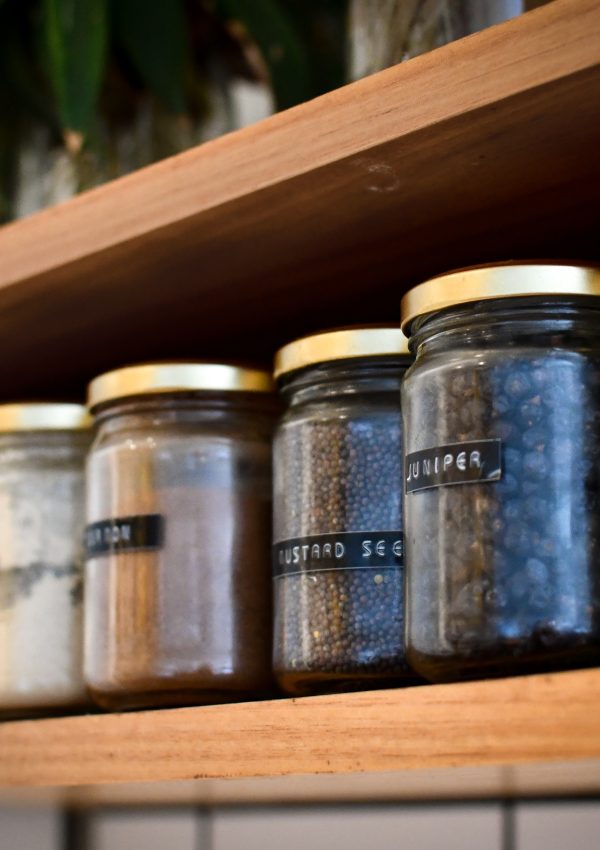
x,y
475,460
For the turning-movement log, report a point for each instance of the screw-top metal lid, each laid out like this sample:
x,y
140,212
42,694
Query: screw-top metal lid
x,y
342,344
502,280
167,378
43,416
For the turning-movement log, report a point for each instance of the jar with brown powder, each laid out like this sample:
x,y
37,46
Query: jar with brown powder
x,y
178,592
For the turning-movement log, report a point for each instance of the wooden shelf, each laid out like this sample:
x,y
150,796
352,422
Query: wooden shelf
x,y
484,149
529,735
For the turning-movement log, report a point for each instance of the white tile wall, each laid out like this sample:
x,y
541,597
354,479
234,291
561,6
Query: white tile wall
x,y
558,826
30,829
475,827
174,829
537,826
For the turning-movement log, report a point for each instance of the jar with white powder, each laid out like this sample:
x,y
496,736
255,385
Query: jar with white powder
x,y
42,456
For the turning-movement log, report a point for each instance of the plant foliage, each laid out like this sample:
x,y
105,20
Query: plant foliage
x,y
75,46
74,66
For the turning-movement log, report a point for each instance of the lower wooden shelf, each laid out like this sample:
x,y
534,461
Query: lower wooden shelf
x,y
520,736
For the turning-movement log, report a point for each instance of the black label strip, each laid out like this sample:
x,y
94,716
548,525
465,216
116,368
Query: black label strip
x,y
124,534
456,463
344,551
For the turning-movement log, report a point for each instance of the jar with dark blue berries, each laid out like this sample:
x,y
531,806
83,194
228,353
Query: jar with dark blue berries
x,y
502,471
338,551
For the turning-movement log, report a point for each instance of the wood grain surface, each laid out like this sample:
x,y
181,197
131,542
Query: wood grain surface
x,y
534,719
322,215
555,779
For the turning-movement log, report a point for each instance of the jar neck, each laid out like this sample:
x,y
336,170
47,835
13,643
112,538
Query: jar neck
x,y
344,379
572,324
184,408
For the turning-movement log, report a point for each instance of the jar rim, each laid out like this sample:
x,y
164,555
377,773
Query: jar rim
x,y
496,282
340,344
43,416
173,377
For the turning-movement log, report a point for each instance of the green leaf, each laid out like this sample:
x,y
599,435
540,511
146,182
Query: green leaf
x,y
323,26
154,35
75,36
282,47
22,79
9,145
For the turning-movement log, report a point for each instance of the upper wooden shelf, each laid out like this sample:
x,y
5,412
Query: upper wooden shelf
x,y
484,149
530,735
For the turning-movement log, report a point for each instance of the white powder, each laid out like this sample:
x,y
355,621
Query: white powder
x,y
41,527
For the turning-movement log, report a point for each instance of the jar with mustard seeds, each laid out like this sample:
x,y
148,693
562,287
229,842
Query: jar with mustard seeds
x,y
338,551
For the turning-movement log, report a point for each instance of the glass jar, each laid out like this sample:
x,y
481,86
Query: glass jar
x,y
503,403
338,550
42,455
178,597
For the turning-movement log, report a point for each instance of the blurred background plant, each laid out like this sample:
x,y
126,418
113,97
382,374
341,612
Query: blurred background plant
x,y
92,89
385,32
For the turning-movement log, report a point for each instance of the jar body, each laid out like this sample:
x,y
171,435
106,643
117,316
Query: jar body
x,y
503,566
338,553
41,566
178,598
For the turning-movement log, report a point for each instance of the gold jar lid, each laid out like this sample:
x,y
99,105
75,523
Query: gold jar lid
x,y
167,378
342,344
43,416
503,280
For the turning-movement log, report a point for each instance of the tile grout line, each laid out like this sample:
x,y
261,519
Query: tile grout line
x,y
204,827
508,838
74,832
